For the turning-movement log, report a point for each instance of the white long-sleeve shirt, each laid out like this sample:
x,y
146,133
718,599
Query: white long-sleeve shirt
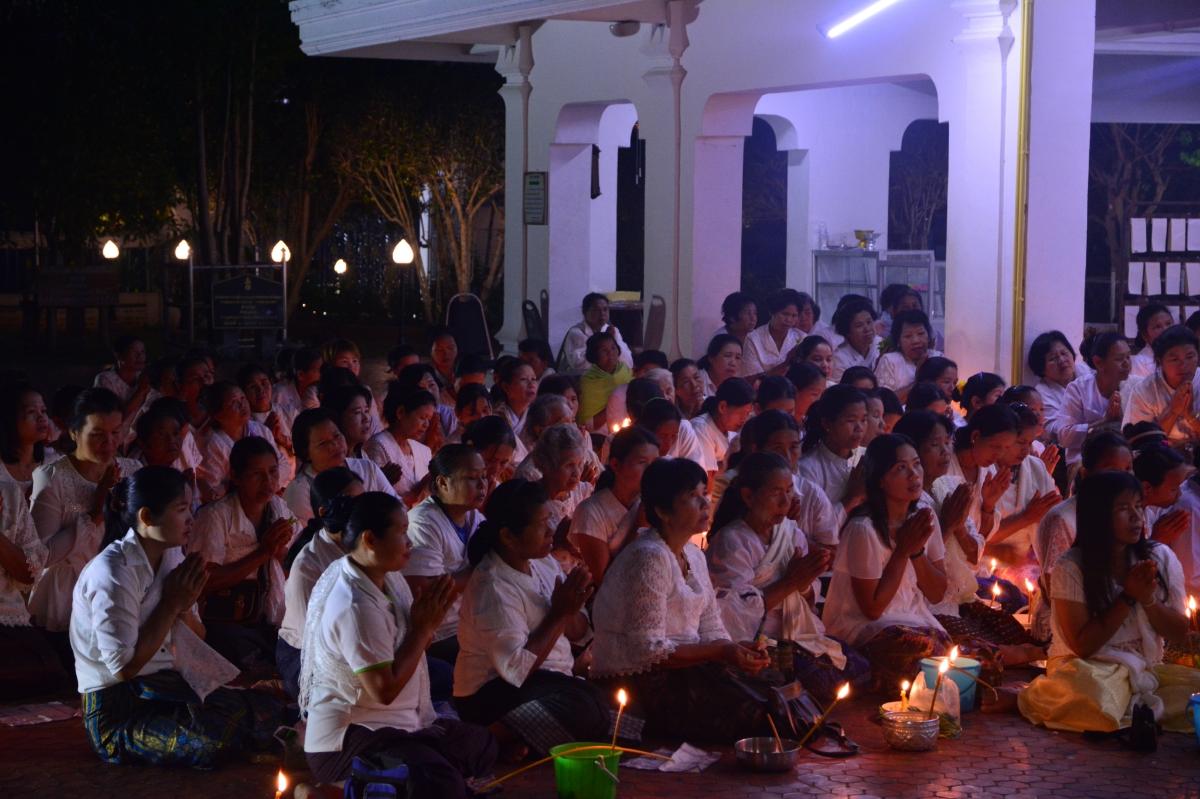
x,y
115,595
1082,407
1148,400
831,473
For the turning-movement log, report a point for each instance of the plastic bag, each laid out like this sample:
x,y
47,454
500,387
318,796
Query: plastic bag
x,y
946,705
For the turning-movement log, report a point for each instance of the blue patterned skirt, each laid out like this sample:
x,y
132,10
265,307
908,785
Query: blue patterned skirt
x,y
158,719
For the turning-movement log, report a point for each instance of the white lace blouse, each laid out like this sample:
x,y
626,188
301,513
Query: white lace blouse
x,y
647,607
62,498
16,524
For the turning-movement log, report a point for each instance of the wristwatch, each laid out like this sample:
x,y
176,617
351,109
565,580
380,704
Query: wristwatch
x,y
1127,599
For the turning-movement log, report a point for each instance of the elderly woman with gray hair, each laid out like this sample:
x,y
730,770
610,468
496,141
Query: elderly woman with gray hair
x,y
560,458
547,411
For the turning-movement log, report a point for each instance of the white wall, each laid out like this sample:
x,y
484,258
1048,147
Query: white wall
x,y
847,135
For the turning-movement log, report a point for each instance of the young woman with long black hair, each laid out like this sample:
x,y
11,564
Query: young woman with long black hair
x,y
1116,595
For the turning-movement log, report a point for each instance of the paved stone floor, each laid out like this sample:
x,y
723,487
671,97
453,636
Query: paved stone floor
x,y
996,756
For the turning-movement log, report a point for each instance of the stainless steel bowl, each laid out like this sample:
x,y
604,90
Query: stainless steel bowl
x,y
763,754
910,731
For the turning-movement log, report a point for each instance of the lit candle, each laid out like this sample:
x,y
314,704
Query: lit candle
x,y
622,698
842,693
904,686
616,428
994,564
1191,605
954,656
943,667
281,784
1029,588
996,596
626,422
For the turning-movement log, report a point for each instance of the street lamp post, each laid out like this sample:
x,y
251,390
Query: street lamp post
x,y
280,254
402,255
183,252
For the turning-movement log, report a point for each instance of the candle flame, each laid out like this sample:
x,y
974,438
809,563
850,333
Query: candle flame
x,y
1192,603
281,782
622,697
904,686
995,563
1028,586
954,655
996,590
844,691
626,422
944,666
616,428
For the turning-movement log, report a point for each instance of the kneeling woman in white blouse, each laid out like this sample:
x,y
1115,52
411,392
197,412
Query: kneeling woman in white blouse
x,y
1115,596
363,679
765,574
152,689
658,625
519,616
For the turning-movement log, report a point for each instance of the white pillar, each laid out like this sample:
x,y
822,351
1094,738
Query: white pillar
x,y
515,63
615,128
662,123
570,232
801,237
1060,130
980,201
716,231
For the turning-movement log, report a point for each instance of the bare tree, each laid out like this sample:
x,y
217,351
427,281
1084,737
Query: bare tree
x,y
1129,164
918,191
452,169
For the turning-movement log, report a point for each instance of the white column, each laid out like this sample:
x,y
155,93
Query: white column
x,y
801,235
980,201
515,63
661,120
615,128
1060,130
570,233
716,231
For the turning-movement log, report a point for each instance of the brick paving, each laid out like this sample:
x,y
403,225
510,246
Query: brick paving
x,y
996,756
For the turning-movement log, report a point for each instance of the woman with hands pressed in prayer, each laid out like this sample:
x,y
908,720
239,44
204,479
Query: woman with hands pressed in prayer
x,y
520,614
658,624
764,572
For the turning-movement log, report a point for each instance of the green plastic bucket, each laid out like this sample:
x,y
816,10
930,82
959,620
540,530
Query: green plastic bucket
x,y
590,774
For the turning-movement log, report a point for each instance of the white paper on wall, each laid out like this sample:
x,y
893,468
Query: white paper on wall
x,y
1174,278
1193,278
1131,312
1137,272
1158,235
1153,279
1178,232
1137,230
1193,234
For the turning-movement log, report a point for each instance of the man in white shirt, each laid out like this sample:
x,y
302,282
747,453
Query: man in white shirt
x,y
572,355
